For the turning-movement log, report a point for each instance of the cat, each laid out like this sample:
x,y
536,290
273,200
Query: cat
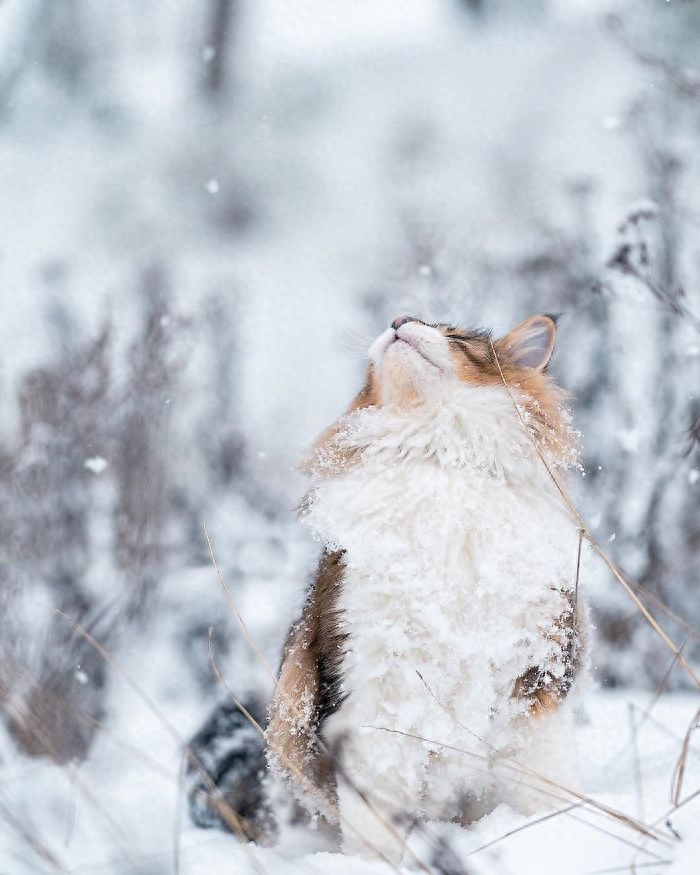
x,y
429,674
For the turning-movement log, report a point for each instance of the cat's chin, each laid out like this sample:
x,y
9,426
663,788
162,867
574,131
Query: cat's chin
x,y
410,363
408,378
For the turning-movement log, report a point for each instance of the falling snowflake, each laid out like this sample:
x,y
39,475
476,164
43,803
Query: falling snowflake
x,y
95,464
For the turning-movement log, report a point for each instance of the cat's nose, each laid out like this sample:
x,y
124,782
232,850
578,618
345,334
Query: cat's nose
x,y
402,320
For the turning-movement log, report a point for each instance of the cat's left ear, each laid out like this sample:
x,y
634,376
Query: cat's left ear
x,y
530,344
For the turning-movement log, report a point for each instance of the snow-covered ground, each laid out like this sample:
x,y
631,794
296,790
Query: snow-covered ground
x,y
120,812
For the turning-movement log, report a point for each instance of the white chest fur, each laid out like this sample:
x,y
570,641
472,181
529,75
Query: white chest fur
x,y
458,551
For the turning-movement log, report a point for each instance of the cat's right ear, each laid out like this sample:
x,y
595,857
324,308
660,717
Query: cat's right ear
x,y
531,343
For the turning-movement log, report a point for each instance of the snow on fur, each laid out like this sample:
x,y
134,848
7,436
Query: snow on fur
x,y
459,556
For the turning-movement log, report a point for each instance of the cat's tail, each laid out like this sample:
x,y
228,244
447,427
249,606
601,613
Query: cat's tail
x,y
225,773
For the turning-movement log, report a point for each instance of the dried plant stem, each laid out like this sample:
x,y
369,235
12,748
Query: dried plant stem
x,y
581,534
636,763
116,833
177,823
629,869
298,775
39,848
660,687
524,826
234,821
510,760
679,771
638,849
222,580
616,571
236,701
512,765
139,754
691,631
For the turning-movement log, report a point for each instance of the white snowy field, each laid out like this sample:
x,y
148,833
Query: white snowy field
x,y
120,812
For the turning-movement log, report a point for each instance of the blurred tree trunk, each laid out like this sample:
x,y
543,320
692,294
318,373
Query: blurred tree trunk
x,y
475,6
48,504
220,32
66,43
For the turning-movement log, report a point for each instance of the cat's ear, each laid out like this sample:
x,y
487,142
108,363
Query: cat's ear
x,y
530,344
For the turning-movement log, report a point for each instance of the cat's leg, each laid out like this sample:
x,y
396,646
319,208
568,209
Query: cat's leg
x,y
373,826
474,807
381,782
545,761
545,746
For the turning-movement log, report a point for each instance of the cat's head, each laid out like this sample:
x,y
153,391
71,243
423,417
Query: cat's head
x,y
412,362
416,366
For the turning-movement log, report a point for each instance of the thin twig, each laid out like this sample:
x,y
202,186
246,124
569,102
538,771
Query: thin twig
x,y
639,849
660,687
236,701
684,624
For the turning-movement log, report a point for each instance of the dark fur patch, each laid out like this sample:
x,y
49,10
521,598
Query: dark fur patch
x,y
310,670
539,687
232,753
328,640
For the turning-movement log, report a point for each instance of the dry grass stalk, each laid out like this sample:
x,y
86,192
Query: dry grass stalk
x,y
299,777
39,848
233,821
249,638
311,789
632,868
638,849
512,765
617,572
660,687
691,631
550,816
583,532
43,739
679,771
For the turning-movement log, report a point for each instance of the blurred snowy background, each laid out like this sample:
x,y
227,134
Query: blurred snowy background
x,y
208,209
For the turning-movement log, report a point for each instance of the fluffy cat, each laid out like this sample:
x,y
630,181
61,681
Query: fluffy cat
x,y
428,675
